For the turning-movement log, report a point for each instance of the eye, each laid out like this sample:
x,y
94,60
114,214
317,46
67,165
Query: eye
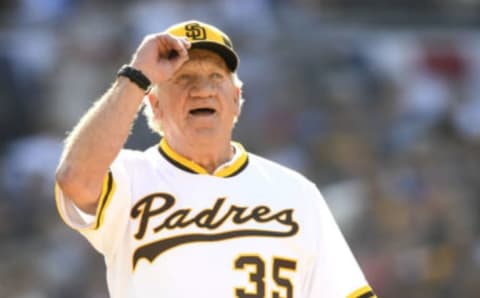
x,y
216,76
183,78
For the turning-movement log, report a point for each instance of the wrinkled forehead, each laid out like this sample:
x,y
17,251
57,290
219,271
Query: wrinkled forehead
x,y
205,58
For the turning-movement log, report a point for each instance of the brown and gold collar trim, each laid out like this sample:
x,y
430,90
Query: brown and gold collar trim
x,y
229,169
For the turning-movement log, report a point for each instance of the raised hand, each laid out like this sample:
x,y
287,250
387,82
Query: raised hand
x,y
160,55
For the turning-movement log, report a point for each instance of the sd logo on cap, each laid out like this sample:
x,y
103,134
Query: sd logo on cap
x,y
205,36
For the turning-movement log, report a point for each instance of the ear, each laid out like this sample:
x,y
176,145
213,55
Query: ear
x,y
236,100
152,98
237,94
154,103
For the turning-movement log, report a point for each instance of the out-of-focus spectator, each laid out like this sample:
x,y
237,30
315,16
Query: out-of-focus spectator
x,y
384,118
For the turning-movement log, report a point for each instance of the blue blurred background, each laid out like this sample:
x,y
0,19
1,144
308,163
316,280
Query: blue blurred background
x,y
378,102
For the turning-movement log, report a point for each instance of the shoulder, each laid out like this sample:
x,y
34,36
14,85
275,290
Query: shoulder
x,y
130,158
276,171
285,181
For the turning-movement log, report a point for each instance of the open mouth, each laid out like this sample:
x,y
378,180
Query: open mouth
x,y
202,112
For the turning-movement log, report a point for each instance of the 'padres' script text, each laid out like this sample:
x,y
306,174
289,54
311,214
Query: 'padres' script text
x,y
210,219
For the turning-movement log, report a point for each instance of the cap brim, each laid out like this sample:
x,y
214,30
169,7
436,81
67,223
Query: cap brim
x,y
231,59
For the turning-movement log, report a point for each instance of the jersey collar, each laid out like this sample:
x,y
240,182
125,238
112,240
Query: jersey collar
x,y
228,169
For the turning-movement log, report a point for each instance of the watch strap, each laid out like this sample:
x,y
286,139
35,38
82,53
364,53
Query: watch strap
x,y
136,76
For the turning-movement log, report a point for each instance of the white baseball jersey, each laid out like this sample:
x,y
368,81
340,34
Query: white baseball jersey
x,y
252,229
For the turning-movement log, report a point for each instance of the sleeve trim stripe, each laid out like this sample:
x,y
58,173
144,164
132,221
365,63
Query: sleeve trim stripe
x,y
108,190
363,292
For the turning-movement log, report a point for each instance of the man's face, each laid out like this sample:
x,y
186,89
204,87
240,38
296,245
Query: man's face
x,y
199,100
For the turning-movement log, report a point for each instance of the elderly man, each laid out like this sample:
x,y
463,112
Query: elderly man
x,y
196,215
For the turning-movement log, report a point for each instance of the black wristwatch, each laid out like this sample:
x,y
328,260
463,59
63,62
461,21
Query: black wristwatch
x,y
135,76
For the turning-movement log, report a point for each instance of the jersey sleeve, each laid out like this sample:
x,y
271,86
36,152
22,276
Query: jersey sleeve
x,y
336,273
104,229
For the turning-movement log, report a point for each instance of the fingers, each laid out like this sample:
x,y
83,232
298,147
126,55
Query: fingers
x,y
169,44
183,46
160,55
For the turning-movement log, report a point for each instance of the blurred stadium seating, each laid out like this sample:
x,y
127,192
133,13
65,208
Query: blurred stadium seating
x,y
378,102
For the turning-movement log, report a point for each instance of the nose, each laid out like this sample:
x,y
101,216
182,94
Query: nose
x,y
203,87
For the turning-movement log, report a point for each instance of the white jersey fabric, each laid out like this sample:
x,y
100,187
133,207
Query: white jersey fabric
x,y
252,229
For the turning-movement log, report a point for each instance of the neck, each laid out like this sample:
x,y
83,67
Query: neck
x,y
209,155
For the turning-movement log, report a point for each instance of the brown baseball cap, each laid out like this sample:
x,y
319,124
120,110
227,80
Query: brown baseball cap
x,y
205,36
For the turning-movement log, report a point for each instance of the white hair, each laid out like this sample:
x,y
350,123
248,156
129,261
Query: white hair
x,y
155,124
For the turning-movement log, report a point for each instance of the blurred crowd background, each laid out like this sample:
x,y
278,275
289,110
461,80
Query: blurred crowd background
x,y
378,102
